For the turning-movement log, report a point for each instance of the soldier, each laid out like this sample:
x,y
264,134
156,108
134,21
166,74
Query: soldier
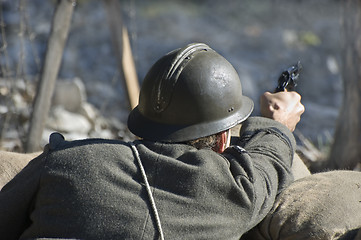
x,y
181,180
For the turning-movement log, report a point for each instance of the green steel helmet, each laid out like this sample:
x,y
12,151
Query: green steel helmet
x,y
189,93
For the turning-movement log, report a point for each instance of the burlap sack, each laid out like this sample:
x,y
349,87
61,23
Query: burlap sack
x,y
299,168
322,206
11,163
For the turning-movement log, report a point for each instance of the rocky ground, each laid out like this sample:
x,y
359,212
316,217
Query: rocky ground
x,y
260,38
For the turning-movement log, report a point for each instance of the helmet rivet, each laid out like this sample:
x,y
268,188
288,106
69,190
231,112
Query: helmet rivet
x,y
231,109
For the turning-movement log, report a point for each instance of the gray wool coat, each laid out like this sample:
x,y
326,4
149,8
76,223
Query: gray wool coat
x,y
93,189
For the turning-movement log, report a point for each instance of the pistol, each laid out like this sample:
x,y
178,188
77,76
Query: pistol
x,y
289,78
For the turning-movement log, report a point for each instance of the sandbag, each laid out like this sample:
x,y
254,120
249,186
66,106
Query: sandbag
x,y
322,206
11,163
299,168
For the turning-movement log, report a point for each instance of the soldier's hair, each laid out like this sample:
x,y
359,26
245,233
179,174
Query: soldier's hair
x,y
209,142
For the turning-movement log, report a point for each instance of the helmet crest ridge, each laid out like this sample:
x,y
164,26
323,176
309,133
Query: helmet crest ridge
x,y
163,89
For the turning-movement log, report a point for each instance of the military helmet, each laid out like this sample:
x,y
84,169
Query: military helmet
x,y
189,93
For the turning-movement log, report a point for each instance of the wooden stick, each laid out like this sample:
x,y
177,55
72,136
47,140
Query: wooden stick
x,y
130,74
121,44
58,36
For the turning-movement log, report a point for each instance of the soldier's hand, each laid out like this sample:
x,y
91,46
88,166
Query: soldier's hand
x,y
284,107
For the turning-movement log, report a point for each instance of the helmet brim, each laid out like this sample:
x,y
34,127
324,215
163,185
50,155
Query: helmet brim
x,y
150,130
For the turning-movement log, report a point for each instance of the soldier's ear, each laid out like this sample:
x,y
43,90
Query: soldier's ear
x,y
222,139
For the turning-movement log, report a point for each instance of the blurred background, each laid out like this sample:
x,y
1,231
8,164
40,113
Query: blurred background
x,y
260,38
